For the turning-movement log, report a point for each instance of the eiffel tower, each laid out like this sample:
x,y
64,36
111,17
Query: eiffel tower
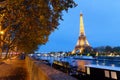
x,y
82,42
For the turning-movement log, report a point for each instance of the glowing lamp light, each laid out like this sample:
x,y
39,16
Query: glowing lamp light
x,y
1,32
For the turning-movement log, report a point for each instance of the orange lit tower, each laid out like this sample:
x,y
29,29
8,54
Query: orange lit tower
x,y
82,42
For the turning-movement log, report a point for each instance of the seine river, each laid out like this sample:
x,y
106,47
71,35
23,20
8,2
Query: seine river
x,y
80,63
103,62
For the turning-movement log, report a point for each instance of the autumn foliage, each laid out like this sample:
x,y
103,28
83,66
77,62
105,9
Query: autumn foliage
x,y
30,22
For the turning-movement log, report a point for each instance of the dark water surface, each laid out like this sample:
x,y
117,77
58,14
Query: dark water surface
x,y
104,61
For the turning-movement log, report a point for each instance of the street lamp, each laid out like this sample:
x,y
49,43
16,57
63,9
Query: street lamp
x,y
1,32
1,43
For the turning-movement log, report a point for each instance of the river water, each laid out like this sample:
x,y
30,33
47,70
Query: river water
x,y
80,63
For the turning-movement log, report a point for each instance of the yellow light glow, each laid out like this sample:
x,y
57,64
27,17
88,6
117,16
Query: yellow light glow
x,y
1,32
82,42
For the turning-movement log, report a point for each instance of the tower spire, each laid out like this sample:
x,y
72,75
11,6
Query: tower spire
x,y
82,32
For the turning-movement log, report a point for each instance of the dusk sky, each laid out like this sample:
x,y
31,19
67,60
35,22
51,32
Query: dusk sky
x,y
101,22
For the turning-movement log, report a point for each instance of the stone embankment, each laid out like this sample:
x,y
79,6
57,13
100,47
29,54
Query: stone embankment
x,y
40,71
29,69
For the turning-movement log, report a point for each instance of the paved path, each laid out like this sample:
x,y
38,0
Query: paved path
x,y
14,69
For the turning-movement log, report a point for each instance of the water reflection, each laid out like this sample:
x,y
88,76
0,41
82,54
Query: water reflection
x,y
81,64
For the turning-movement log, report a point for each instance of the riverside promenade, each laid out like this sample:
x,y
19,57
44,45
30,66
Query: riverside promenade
x,y
29,69
13,69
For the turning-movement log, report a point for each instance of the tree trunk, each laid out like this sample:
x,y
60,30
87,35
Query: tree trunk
x,y
7,52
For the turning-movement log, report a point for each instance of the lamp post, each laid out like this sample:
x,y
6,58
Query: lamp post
x,y
1,35
1,41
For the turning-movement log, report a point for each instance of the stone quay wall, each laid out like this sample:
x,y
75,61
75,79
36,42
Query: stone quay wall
x,y
39,71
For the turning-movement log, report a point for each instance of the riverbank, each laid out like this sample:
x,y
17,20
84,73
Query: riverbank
x,y
13,69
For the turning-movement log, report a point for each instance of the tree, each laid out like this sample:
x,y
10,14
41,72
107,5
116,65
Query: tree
x,y
100,49
108,49
87,50
30,22
116,49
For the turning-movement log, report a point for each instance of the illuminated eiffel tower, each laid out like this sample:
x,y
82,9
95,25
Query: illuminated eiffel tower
x,y
82,42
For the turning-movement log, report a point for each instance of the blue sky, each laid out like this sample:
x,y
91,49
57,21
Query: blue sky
x,y
101,22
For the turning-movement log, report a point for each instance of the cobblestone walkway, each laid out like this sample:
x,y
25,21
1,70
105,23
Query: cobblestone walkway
x,y
14,69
